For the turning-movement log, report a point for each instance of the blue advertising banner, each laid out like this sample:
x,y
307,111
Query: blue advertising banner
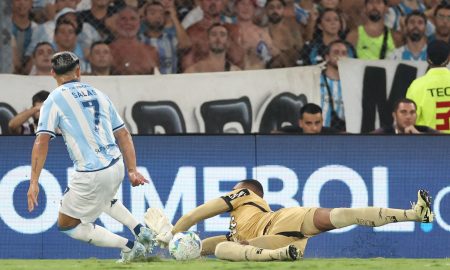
x,y
185,171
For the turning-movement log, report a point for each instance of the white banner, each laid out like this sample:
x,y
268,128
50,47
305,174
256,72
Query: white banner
x,y
188,92
354,72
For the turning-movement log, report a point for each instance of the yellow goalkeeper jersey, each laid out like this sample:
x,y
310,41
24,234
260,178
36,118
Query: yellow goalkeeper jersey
x,y
249,213
431,93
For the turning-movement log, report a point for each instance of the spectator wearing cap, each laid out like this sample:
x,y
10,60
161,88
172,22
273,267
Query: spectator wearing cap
x,y
20,124
42,56
415,48
373,40
256,42
131,56
285,32
86,34
198,34
22,29
167,42
431,92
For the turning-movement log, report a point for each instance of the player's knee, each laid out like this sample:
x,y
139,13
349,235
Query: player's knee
x,y
221,249
67,222
80,232
322,219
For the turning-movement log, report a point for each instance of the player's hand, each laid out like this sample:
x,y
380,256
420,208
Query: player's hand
x,y
411,130
33,192
136,178
163,239
157,221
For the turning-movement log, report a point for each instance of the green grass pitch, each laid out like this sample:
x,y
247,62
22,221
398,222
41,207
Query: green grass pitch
x,y
157,264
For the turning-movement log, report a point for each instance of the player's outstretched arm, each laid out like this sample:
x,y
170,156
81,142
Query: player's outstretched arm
x,y
38,157
209,209
126,145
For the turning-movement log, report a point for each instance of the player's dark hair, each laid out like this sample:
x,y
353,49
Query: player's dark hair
x,y
40,96
403,100
310,108
255,184
63,62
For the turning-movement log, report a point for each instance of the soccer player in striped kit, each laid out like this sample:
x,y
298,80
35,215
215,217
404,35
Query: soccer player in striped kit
x,y
90,126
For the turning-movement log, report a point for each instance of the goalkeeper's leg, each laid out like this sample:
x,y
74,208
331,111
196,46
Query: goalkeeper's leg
x,y
233,251
328,219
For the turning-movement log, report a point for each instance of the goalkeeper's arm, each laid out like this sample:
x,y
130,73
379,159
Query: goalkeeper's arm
x,y
209,209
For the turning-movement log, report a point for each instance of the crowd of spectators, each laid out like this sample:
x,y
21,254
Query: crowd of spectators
x,y
134,37
174,36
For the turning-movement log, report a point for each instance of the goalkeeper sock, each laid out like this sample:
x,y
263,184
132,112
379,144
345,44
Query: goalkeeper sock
x,y
120,213
98,236
369,216
236,252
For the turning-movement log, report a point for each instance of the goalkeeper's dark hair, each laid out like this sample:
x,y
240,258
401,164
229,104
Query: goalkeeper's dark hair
x,y
258,188
64,62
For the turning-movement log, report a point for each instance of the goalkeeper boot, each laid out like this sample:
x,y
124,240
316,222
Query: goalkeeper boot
x,y
137,252
147,238
290,253
423,207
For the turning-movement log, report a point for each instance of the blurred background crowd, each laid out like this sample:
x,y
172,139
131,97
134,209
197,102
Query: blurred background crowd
x,y
126,37
138,37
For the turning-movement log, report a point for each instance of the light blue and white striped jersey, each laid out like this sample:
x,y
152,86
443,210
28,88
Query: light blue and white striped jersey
x,y
403,53
87,119
336,92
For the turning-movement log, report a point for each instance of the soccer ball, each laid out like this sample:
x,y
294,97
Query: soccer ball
x,y
185,246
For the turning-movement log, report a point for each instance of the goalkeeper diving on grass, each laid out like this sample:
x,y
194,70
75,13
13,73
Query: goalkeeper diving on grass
x,y
259,234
